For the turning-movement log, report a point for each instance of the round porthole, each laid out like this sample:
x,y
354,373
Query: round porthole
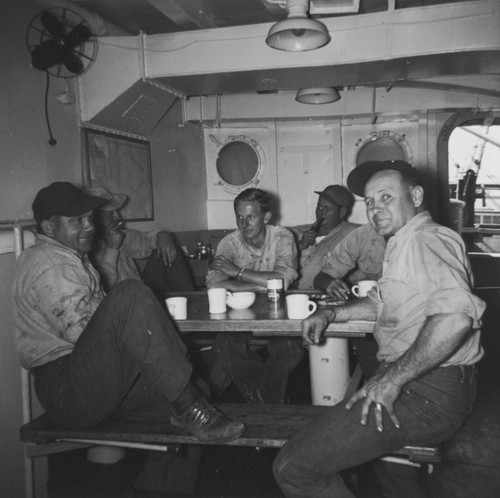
x,y
238,163
382,146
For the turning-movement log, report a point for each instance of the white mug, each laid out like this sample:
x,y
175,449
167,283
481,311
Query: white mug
x,y
177,307
362,288
217,299
299,306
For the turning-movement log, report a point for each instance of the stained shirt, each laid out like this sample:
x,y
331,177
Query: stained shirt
x,y
362,251
278,253
56,292
313,259
115,265
426,271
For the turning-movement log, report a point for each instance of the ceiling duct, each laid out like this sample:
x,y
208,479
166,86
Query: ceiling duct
x,y
136,111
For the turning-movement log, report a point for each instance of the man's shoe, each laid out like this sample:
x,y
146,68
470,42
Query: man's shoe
x,y
206,423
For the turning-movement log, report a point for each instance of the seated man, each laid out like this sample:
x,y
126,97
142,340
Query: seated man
x,y
427,326
93,355
358,256
245,260
117,249
316,241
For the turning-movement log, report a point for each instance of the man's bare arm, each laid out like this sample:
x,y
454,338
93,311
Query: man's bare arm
x,y
440,337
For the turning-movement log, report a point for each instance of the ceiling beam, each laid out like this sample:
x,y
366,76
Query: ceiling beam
x,y
427,85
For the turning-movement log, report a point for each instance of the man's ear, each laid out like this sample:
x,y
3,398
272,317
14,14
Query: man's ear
x,y
267,217
417,195
48,227
343,211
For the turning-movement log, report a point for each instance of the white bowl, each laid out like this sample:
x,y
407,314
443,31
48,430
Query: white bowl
x,y
240,300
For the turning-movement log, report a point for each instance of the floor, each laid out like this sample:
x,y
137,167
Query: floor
x,y
232,472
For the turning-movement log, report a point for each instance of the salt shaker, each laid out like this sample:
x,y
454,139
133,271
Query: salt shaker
x,y
275,290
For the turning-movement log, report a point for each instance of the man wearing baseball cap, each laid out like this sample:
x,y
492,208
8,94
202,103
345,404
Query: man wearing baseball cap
x,y
93,355
120,252
427,326
317,240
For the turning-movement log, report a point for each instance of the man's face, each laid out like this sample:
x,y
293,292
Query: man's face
x,y
251,221
74,232
390,203
105,219
331,214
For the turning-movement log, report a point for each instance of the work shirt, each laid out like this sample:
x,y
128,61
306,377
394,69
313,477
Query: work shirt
x,y
278,254
426,272
362,250
313,259
115,265
56,292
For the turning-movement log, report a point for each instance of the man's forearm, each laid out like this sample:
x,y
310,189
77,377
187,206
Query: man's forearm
x,y
321,281
360,309
439,338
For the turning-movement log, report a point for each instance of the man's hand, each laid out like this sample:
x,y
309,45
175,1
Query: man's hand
x,y
165,248
224,265
314,326
308,239
379,392
338,288
113,236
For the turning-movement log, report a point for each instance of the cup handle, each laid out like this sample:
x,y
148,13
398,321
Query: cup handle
x,y
312,307
355,290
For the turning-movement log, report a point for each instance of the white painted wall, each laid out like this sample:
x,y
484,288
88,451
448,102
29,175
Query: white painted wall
x,y
28,163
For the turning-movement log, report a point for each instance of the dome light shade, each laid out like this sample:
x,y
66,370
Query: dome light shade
x,y
317,95
297,33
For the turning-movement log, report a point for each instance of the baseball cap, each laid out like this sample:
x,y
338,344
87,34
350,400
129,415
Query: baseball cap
x,y
337,194
113,201
360,175
63,199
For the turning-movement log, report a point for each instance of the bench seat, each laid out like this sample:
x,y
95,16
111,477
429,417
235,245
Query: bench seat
x,y
268,426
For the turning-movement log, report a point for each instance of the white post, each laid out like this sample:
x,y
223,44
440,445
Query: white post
x,y
329,367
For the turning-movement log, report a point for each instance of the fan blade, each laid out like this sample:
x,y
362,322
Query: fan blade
x,y
72,62
52,24
47,54
77,36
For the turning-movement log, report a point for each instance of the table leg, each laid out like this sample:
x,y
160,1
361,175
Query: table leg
x,y
329,367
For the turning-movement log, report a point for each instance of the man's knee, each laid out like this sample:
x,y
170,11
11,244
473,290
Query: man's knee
x,y
285,475
130,288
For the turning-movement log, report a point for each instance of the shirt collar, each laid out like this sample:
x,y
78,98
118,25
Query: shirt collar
x,y
413,225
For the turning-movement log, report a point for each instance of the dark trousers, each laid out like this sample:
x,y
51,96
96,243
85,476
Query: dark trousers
x,y
163,279
129,355
431,409
260,376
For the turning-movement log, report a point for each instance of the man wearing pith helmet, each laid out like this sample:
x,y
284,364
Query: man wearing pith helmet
x,y
427,326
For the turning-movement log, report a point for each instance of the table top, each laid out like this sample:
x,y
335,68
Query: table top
x,y
263,318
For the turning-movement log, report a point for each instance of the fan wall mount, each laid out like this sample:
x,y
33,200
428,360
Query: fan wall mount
x,y
60,43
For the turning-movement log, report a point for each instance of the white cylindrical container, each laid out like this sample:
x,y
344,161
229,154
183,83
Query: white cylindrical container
x,y
275,289
329,366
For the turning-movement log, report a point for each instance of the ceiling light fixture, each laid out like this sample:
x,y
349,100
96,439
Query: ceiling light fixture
x,y
317,95
297,33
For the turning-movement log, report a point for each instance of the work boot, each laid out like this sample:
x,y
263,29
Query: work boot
x,y
206,423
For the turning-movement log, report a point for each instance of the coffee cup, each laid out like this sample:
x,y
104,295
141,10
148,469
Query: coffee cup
x,y
362,288
299,306
177,307
217,299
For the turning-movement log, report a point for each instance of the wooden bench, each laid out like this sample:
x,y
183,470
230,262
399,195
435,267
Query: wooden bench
x,y
268,426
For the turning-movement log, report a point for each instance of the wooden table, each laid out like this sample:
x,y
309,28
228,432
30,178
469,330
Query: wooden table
x,y
328,362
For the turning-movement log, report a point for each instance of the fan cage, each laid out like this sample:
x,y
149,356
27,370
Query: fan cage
x,y
36,34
